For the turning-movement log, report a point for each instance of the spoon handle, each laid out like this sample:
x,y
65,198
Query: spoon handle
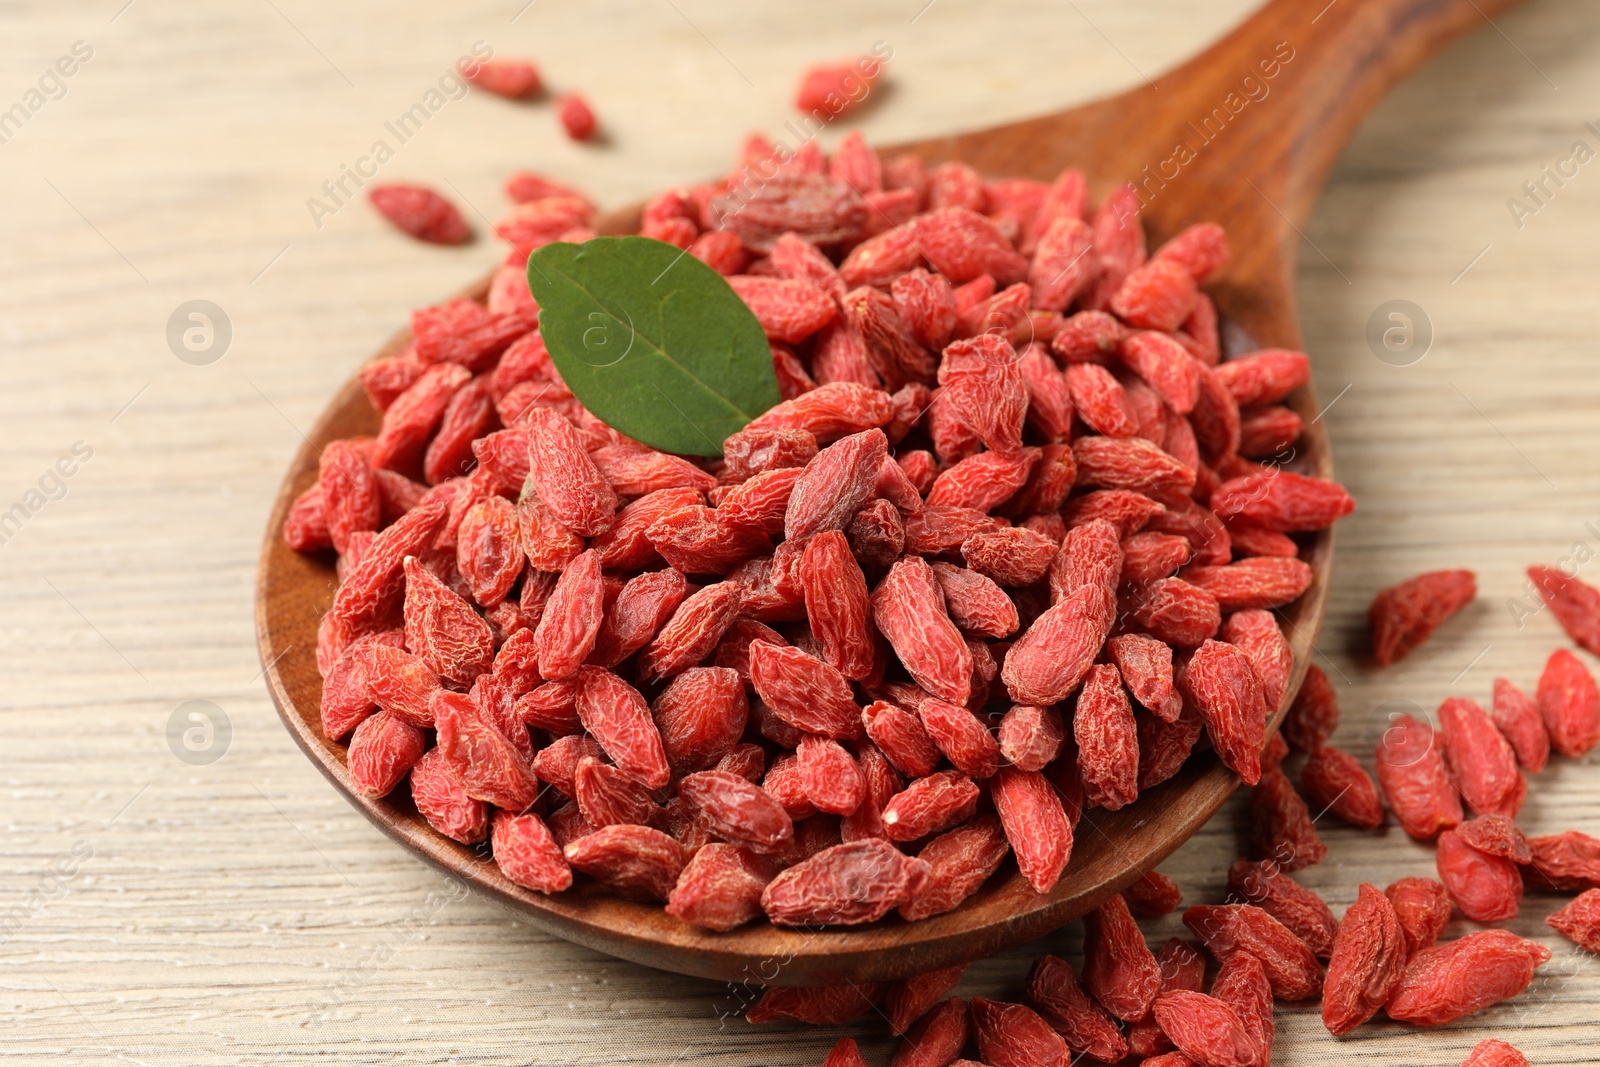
x,y
1331,61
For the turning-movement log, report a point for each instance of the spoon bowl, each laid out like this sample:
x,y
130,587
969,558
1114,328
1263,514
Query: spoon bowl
x,y
1242,135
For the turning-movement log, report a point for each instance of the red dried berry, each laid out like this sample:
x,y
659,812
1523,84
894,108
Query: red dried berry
x,y
1445,982
1487,888
634,862
1412,775
1281,828
1405,615
614,713
1482,761
1031,737
719,888
1119,970
527,853
1054,989
421,212
1013,1035
443,629
489,766
1290,964
1494,1053
1153,895
444,802
1265,885
1566,861
1108,740
960,861
1224,688
564,476
1423,907
804,692
1569,703
1367,962
847,884
1208,1032
1517,718
382,750
909,611
1579,921
1314,715
1333,780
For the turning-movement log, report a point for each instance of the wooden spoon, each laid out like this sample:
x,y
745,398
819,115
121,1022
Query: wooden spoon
x,y
1242,135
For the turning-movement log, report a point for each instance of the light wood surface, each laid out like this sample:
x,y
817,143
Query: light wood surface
x,y
241,912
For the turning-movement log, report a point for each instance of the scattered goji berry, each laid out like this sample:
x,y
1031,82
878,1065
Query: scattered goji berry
x,y
421,212
1290,964
1367,962
1333,780
1486,887
1569,703
1445,982
1405,615
1575,604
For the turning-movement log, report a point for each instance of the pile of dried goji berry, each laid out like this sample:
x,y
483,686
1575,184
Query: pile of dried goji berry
x,y
1009,545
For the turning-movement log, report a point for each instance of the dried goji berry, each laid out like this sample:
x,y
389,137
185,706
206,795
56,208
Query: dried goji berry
x,y
1153,895
1483,764
566,633
1085,1026
1423,907
803,691
1333,780
719,888
1282,500
1368,960
1314,715
1493,1052
1265,885
847,884
383,748
1516,716
911,998
1119,970
1242,985
617,717
1445,982
526,852
1412,775
1224,688
1566,861
607,797
489,766
444,802
564,476
1207,1031
1107,737
443,629
1013,1035
1281,827
694,630
1404,615
1290,964
1569,703
1031,737
1579,921
634,862
421,212
1487,888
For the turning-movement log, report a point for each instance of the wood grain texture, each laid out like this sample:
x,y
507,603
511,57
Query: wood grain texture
x,y
241,912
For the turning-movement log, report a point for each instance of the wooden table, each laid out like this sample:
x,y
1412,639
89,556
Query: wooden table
x,y
163,910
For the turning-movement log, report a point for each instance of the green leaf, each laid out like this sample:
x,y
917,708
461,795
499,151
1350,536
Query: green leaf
x,y
652,341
